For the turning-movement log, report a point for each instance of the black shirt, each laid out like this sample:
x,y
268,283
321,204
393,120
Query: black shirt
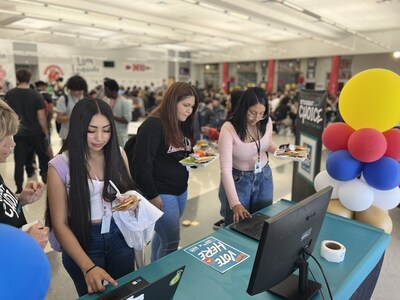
x,y
11,212
156,167
26,103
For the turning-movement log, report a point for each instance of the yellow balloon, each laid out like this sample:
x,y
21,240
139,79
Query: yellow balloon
x,y
371,99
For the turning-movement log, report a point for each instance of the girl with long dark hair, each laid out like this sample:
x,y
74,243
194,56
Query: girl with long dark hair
x,y
80,198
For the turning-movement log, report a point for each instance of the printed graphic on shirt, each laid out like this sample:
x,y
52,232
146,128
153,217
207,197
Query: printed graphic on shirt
x,y
9,202
180,152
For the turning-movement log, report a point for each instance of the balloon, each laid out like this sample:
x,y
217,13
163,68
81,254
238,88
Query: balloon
x,y
383,174
370,99
323,179
336,136
342,166
386,199
25,270
376,217
367,145
336,207
393,143
356,195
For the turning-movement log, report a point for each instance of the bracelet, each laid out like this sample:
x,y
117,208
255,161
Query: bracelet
x,y
90,269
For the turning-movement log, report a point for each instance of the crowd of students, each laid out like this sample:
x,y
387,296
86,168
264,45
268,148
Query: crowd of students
x,y
80,196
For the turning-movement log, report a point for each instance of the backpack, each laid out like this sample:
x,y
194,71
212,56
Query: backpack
x,y
129,149
66,98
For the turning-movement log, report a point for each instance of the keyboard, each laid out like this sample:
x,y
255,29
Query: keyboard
x,y
251,227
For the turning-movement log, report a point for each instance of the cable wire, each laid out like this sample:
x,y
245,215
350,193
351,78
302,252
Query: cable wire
x,y
322,271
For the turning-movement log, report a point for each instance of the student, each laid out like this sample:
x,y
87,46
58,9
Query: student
x,y
243,142
11,212
77,87
80,198
33,132
163,139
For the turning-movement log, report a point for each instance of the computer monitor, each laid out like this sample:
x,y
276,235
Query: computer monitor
x,y
280,252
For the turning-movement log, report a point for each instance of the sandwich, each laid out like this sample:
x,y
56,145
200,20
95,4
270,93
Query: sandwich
x,y
126,205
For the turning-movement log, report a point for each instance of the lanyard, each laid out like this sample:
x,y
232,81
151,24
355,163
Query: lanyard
x,y
258,143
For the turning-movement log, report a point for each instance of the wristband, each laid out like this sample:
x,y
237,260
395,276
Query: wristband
x,y
90,269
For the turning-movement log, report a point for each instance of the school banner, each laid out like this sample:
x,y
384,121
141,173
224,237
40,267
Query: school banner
x,y
309,127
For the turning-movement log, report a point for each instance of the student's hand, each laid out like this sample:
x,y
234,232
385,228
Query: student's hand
x,y
40,233
157,202
131,202
31,193
94,280
239,213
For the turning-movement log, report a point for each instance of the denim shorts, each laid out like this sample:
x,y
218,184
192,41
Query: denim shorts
x,y
255,191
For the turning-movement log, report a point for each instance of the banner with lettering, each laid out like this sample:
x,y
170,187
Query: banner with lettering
x,y
86,65
309,127
217,254
139,68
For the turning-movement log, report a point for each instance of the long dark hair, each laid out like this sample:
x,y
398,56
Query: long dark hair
x,y
250,97
175,131
78,152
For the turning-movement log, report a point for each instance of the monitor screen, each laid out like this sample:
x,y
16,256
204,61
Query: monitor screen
x,y
280,251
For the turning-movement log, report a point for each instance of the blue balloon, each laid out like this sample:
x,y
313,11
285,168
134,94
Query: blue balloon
x,y
383,174
25,271
342,166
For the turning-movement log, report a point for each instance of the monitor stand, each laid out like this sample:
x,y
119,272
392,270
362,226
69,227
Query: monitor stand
x,y
297,287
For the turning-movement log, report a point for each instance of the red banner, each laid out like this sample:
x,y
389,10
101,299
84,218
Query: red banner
x,y
270,76
333,80
225,77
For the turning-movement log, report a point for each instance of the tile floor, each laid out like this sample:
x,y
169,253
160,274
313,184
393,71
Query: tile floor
x,y
203,207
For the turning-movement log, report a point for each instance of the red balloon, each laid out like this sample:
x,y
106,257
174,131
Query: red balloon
x,y
335,136
393,143
367,145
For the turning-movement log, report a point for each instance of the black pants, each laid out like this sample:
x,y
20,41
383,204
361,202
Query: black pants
x,y
21,150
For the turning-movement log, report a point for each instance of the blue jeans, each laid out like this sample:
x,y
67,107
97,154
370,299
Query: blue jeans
x,y
255,191
108,251
167,230
223,199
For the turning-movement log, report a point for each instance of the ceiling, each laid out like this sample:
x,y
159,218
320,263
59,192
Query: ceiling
x,y
211,30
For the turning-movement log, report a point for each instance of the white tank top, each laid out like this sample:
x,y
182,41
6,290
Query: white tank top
x,y
97,204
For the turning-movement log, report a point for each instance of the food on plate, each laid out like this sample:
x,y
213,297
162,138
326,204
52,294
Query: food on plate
x,y
203,160
126,205
202,144
292,151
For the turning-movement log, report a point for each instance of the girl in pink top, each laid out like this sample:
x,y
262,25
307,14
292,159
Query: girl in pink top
x,y
244,140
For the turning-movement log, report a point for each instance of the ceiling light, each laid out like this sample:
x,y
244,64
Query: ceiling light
x,y
327,21
64,34
237,15
293,6
26,2
10,12
65,8
212,7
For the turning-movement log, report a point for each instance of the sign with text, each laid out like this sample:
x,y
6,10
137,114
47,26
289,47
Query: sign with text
x,y
85,65
216,254
139,68
309,127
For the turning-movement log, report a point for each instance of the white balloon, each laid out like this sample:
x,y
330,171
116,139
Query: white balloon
x,y
356,195
386,199
323,179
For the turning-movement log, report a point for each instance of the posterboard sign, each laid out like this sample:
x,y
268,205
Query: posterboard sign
x,y
309,127
216,254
